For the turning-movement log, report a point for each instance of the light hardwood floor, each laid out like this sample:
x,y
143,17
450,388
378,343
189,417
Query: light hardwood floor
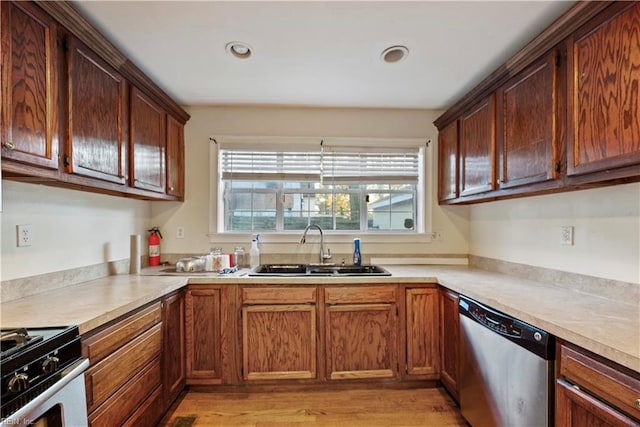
x,y
417,407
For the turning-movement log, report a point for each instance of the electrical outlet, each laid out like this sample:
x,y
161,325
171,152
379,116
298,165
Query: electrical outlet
x,y
566,236
180,232
24,234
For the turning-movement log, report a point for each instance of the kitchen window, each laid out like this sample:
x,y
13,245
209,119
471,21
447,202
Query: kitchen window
x,y
351,189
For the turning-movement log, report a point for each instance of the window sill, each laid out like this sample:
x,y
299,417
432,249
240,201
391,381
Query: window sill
x,y
329,237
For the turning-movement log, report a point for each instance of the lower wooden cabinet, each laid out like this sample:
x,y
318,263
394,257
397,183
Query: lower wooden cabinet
x,y
125,370
449,341
173,346
591,391
423,357
204,330
361,332
279,333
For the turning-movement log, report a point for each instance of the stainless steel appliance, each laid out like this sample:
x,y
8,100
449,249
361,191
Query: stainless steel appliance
x,y
42,377
506,373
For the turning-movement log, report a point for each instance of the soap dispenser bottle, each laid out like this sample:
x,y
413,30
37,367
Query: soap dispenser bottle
x,y
254,253
357,257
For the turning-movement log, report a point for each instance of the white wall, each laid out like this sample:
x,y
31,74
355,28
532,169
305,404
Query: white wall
x,y
71,228
193,214
606,225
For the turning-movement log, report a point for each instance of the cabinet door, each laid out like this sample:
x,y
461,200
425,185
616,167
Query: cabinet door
x,y
279,342
28,128
204,324
361,341
477,149
175,158
173,355
97,142
448,162
527,120
575,408
423,357
449,336
604,76
148,143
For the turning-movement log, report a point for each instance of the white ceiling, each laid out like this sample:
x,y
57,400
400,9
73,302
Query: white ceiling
x,y
320,53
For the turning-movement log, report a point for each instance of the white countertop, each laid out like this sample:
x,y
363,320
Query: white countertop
x,y
608,326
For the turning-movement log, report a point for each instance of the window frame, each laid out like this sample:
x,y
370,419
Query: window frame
x,y
423,199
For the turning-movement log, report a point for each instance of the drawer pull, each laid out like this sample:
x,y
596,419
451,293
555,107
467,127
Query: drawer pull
x,y
638,403
8,145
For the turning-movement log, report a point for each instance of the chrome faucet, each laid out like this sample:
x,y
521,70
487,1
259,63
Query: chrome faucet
x,y
323,256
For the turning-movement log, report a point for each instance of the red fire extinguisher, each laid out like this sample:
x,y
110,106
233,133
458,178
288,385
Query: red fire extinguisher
x,y
154,246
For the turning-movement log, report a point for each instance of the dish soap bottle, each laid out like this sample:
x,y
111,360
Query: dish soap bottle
x,y
357,257
254,253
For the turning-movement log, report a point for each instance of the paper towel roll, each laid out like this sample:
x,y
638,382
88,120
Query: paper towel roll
x,y
134,257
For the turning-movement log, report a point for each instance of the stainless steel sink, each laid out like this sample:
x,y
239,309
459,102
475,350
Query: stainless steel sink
x,y
285,270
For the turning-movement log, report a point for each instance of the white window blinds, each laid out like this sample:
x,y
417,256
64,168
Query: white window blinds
x,y
339,165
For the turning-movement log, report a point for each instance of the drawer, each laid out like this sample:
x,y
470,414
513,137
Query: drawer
x,y
360,294
105,342
279,295
149,413
620,389
116,409
104,378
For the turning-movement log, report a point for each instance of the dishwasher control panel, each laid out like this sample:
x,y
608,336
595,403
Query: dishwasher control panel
x,y
521,333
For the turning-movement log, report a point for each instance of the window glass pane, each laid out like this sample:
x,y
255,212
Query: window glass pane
x,y
347,211
247,211
391,211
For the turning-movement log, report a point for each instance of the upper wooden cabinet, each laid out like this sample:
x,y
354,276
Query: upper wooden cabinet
x,y
528,149
97,135
29,117
75,112
478,148
566,112
148,143
175,158
604,81
448,162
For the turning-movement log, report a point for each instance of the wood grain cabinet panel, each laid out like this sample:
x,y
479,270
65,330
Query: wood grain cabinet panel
x,y
604,79
108,375
175,158
173,353
449,341
448,161
29,117
361,341
204,335
478,149
279,341
527,121
598,390
148,143
423,356
97,137
115,411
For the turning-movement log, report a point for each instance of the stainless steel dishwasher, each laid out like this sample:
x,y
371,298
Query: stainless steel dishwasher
x,y
506,372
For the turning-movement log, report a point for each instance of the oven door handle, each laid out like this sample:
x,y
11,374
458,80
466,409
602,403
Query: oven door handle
x,y
68,375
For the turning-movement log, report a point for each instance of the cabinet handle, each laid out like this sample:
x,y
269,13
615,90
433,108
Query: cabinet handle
x,y
638,403
171,188
8,145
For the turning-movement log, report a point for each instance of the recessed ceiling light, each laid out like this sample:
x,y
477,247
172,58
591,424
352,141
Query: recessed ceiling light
x,y
238,49
394,54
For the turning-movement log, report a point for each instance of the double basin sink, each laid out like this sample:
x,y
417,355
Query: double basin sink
x,y
287,270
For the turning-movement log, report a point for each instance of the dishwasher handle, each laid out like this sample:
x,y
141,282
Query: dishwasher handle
x,y
525,335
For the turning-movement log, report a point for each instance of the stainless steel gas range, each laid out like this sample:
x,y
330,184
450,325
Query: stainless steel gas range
x,y
42,377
